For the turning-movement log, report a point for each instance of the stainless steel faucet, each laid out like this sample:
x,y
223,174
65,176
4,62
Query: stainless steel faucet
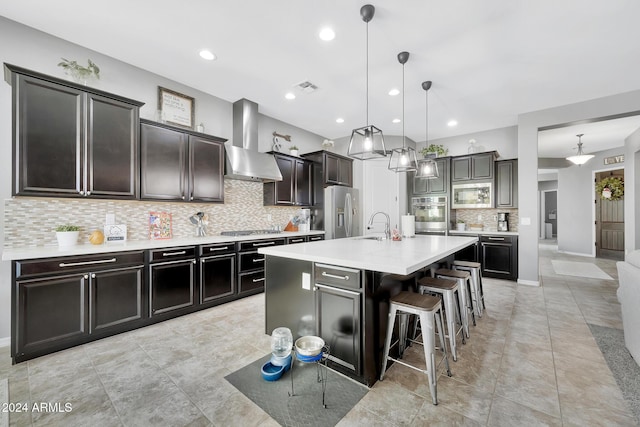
x,y
387,226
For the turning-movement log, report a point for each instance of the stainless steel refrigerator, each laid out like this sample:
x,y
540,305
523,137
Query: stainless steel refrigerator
x,y
340,212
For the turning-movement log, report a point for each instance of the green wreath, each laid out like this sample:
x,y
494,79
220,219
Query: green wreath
x,y
610,188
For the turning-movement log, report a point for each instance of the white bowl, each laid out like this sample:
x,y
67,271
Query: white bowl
x,y
309,345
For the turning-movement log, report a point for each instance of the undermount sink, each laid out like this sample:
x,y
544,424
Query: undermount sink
x,y
373,238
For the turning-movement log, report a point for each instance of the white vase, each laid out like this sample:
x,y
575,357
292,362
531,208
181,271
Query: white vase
x,y
67,238
460,226
293,152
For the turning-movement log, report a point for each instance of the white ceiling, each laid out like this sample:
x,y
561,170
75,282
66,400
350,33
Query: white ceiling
x,y
489,60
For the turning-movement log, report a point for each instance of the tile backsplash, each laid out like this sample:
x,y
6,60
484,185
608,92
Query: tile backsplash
x,y
29,221
487,217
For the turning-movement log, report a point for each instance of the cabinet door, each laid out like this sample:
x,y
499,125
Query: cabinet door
x,y
112,148
345,172
51,314
49,131
206,170
482,166
507,184
497,259
420,185
285,188
116,299
163,163
440,185
338,314
461,168
172,286
217,278
303,188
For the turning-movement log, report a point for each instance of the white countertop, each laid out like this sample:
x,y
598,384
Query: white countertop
x,y
10,254
388,256
483,232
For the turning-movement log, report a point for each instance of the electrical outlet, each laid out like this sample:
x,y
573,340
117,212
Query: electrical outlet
x,y
479,217
269,217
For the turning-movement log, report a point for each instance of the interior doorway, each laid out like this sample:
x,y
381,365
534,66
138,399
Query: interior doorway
x,y
609,221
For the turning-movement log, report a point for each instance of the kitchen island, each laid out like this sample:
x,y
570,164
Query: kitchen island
x,y
339,290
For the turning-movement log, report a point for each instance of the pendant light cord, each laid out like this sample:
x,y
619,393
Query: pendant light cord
x,y
426,126
367,74
403,137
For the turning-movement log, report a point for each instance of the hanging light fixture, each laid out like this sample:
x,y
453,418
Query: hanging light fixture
x,y
403,159
580,158
427,167
367,142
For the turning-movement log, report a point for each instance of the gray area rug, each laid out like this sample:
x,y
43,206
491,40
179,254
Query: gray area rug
x,y
625,370
4,400
305,407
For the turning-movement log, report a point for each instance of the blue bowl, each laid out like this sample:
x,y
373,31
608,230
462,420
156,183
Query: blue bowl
x,y
307,359
282,361
271,372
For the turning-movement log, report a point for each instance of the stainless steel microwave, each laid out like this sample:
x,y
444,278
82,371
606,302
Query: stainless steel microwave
x,y
471,195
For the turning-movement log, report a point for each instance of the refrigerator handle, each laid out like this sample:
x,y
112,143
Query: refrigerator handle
x,y
349,214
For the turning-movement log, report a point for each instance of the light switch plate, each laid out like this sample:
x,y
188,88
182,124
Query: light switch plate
x,y
306,281
525,221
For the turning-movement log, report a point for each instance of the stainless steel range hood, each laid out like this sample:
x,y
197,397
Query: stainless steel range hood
x,y
244,161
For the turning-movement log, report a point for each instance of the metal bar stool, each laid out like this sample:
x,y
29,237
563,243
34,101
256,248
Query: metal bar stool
x,y
398,283
477,293
449,292
464,280
429,311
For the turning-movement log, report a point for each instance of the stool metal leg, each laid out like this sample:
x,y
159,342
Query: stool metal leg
x,y
428,335
387,341
440,327
452,313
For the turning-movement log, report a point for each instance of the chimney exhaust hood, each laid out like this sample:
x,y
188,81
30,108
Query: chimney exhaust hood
x,y
244,161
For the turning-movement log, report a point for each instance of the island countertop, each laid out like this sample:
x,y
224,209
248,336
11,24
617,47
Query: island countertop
x,y
387,256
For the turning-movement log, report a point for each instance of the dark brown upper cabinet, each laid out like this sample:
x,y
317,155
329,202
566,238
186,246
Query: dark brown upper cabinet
x,y
438,186
473,167
178,165
332,168
70,140
507,184
295,189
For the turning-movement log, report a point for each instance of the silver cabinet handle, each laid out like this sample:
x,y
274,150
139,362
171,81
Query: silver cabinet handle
x,y
88,193
334,276
264,244
257,259
86,276
296,240
218,249
73,264
501,239
258,280
93,275
174,253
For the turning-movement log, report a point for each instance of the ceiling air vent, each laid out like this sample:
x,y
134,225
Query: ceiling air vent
x,y
306,87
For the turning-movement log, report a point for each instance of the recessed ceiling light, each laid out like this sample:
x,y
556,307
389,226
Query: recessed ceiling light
x,y
396,121
452,123
394,92
339,120
327,34
290,95
207,54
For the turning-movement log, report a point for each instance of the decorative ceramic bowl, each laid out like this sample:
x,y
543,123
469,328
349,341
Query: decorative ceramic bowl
x,y
271,372
309,345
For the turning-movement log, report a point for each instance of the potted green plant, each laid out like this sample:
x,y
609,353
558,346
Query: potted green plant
x,y
460,225
434,150
78,72
293,150
67,235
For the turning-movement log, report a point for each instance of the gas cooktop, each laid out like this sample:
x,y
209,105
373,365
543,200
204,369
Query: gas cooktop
x,y
248,232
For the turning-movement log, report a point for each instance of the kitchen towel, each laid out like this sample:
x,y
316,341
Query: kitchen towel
x,y
408,223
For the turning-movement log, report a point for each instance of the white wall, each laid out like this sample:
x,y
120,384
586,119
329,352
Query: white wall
x,y
528,125
631,196
502,140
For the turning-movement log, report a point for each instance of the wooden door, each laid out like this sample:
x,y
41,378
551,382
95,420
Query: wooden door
x,y
609,222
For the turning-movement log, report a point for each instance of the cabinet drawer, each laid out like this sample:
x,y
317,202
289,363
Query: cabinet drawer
x,y
316,237
170,254
38,267
251,261
251,281
217,249
292,240
498,239
255,244
337,276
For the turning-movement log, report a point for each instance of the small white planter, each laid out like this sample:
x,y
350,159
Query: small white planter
x,y
67,238
293,152
460,226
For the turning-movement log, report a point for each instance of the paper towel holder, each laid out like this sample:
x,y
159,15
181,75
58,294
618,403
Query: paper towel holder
x,y
408,223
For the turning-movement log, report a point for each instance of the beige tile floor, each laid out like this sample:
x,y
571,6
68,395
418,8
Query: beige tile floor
x,y
531,360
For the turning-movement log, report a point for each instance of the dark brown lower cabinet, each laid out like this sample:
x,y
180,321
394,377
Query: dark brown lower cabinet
x,y
116,299
499,256
217,273
172,282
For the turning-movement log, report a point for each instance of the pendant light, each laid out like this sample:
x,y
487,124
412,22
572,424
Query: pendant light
x,y
427,167
580,158
403,159
367,142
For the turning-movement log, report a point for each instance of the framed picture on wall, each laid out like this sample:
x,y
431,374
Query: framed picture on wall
x,y
176,108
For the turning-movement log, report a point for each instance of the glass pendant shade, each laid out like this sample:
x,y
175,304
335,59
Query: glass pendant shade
x,y
580,158
367,143
427,168
403,160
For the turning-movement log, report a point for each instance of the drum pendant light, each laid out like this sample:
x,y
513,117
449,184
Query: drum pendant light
x,y
403,159
427,167
367,142
580,158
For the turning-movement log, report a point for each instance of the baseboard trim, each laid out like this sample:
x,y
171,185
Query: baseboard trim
x,y
577,254
528,282
5,341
